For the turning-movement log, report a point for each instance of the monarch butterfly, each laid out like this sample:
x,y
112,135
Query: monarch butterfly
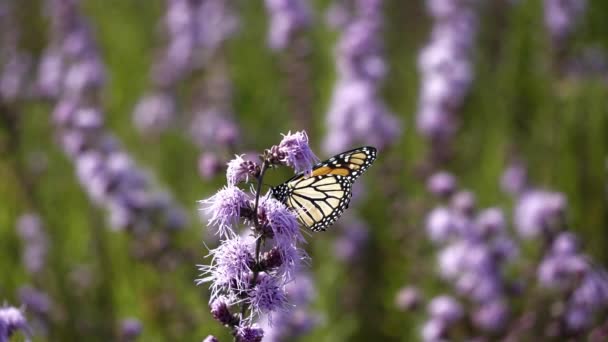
x,y
321,198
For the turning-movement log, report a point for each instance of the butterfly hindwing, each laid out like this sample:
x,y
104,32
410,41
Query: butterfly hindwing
x,y
321,198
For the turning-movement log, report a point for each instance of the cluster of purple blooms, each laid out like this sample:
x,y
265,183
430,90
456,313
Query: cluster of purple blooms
x,y
562,17
72,75
446,70
287,19
488,272
194,31
11,321
252,271
357,113
16,63
35,242
298,321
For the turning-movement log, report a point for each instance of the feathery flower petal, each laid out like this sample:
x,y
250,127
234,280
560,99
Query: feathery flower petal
x,y
224,209
297,153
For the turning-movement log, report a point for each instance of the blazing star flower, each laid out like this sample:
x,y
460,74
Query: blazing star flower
x,y
11,320
239,170
220,311
281,220
224,209
249,333
445,308
492,316
287,18
31,232
538,211
230,268
267,295
297,153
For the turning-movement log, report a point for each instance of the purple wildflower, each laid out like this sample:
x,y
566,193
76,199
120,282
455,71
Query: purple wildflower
x,y
35,301
240,169
440,225
209,165
561,17
130,329
446,309
267,295
287,18
491,316
538,212
35,241
514,179
221,312
230,267
408,298
297,154
446,69
11,320
433,330
249,333
224,209
442,184
154,112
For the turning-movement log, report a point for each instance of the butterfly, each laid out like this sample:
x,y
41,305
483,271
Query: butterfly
x,y
320,198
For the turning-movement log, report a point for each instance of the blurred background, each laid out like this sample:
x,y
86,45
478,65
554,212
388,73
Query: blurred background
x,y
116,117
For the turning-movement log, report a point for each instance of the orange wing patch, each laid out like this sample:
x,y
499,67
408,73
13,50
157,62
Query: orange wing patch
x,y
321,171
340,171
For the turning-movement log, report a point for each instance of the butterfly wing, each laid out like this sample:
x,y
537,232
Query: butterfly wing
x,y
321,198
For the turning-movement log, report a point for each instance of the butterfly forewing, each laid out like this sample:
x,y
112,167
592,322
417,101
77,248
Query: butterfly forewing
x,y
321,198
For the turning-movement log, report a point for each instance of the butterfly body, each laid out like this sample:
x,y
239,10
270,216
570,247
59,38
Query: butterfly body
x,y
320,198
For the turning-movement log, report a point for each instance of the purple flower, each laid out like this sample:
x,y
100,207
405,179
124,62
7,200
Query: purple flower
x,y
538,211
446,69
561,271
446,309
565,243
463,202
357,113
230,268
561,17
249,333
209,165
35,241
287,18
442,184
282,221
154,112
221,312
492,316
130,329
211,338
433,330
224,209
440,225
408,298
35,301
490,222
11,320
267,295
240,169
514,179
297,153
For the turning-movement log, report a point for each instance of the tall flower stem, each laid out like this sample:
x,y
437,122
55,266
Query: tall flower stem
x,y
259,236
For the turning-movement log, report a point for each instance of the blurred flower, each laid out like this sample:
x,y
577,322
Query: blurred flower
x,y
130,329
104,169
35,301
561,17
287,18
209,165
492,316
11,320
35,240
514,179
446,309
537,212
408,298
446,69
441,184
153,113
356,112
